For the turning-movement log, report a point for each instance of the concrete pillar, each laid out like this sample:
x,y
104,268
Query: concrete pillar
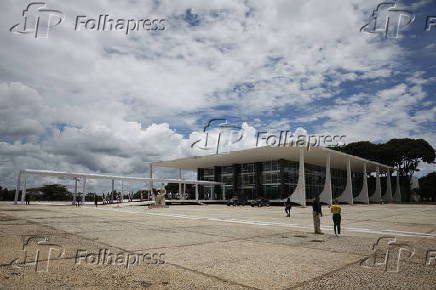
x,y
17,190
122,190
388,195
376,197
196,192
184,191
397,195
113,189
224,191
84,190
347,195
75,191
299,194
23,194
363,195
180,178
326,194
150,174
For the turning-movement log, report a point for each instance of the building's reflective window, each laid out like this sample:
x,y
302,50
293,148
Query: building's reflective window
x,y
247,184
315,179
271,179
357,179
371,185
339,181
208,192
227,179
383,185
290,176
208,174
393,184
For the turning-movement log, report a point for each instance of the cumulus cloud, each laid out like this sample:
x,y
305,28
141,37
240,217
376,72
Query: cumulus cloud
x,y
106,102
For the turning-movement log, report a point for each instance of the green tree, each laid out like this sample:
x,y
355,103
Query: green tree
x,y
406,154
427,186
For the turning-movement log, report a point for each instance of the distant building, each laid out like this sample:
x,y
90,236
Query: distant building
x,y
277,173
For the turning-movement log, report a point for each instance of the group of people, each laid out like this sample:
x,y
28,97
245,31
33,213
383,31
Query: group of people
x,y
335,209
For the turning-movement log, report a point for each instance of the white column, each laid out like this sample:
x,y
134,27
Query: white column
x,y
326,194
224,191
363,195
397,195
23,194
150,174
75,191
388,195
376,197
180,178
83,190
17,190
184,190
122,190
112,192
347,195
196,192
299,194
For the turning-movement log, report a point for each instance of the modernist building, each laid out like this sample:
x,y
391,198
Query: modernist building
x,y
277,173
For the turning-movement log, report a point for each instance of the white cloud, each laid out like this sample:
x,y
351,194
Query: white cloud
x,y
106,102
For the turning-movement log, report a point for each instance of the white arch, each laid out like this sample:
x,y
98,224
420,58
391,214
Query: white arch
x,y
363,195
347,194
299,194
326,195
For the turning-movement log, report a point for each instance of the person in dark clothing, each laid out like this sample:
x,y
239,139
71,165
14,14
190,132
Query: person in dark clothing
x,y
95,200
288,207
78,199
27,198
317,214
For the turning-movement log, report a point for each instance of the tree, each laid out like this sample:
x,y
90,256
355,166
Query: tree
x,y
408,153
404,154
427,186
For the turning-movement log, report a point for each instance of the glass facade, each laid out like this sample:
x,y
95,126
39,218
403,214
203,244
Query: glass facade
x,y
357,181
339,181
315,179
271,179
383,184
371,185
274,180
290,178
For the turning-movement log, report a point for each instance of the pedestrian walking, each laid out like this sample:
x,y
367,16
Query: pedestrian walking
x,y
288,207
317,214
336,211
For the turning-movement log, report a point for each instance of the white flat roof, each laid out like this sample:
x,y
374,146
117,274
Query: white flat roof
x,y
110,177
313,155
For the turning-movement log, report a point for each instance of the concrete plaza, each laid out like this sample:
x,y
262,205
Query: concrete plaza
x,y
216,247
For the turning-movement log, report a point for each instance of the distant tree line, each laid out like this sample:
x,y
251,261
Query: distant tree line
x,y
403,154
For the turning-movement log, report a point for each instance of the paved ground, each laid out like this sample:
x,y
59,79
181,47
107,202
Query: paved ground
x,y
215,247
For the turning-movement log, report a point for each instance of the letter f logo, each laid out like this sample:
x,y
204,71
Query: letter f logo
x,y
38,20
388,20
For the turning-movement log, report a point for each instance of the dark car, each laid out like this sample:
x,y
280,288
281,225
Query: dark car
x,y
236,200
260,201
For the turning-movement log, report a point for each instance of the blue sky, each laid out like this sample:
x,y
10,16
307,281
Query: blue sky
x,y
101,101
